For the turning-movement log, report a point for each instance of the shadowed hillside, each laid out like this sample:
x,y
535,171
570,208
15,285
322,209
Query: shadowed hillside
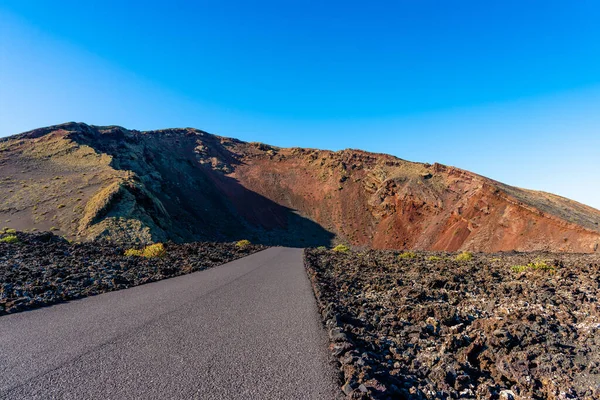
x,y
89,182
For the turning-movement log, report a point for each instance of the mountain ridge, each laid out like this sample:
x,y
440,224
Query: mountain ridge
x,y
185,184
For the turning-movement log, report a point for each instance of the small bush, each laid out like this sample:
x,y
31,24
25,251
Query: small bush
x,y
536,264
407,254
9,239
341,248
154,250
10,231
61,206
540,264
151,251
242,244
321,248
435,258
519,268
133,253
464,256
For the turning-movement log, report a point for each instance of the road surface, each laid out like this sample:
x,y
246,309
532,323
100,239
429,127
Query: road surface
x,y
248,329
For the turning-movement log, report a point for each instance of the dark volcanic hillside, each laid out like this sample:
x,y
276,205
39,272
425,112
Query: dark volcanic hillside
x,y
91,182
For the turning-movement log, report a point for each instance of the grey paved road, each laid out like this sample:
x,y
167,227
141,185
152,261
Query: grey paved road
x,y
245,330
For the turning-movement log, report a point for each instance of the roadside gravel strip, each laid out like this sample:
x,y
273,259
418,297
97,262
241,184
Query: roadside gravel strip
x,y
443,326
248,329
43,269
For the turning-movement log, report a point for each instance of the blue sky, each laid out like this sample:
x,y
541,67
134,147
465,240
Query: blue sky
x,y
510,89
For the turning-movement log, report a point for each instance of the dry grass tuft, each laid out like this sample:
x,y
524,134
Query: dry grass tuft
x,y
242,244
9,239
407,255
341,248
464,256
151,251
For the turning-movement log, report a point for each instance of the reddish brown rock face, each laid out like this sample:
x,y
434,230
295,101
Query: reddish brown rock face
x,y
382,202
185,184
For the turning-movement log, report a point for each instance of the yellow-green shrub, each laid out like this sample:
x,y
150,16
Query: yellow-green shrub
x,y
435,258
9,239
243,243
519,268
133,253
407,254
537,264
341,248
154,250
151,251
464,256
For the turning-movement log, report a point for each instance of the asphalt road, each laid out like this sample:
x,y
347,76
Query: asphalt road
x,y
248,329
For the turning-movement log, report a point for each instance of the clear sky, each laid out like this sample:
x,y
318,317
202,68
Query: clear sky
x,y
507,89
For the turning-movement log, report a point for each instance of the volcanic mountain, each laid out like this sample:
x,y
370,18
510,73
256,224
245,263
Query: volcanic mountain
x,y
107,182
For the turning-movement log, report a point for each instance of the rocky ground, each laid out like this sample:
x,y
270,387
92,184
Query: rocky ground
x,y
496,326
43,269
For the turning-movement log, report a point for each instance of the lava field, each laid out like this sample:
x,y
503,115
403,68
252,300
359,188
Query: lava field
x,y
431,325
42,269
